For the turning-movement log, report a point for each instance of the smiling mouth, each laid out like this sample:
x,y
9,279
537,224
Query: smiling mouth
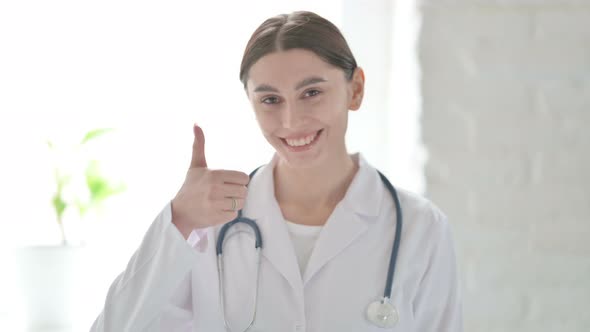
x,y
302,141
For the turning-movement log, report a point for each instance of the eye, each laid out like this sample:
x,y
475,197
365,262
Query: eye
x,y
270,100
311,93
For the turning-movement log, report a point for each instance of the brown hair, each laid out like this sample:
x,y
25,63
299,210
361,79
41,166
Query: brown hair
x,y
301,29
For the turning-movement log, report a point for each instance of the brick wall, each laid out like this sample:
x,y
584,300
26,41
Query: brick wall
x,y
506,123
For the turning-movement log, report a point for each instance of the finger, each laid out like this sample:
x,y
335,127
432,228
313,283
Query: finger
x,y
229,190
227,204
235,190
234,177
198,156
228,216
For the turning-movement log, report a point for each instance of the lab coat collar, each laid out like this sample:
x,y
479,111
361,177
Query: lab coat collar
x,y
364,194
349,219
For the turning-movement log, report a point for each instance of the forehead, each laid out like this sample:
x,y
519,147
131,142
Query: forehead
x,y
284,68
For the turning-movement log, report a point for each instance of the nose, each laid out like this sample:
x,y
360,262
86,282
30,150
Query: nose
x,y
292,117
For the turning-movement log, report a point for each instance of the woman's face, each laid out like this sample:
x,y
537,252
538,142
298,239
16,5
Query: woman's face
x,y
301,103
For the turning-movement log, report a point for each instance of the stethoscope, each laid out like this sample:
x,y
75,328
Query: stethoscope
x,y
381,312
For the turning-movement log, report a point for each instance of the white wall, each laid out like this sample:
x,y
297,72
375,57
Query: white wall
x,y
506,96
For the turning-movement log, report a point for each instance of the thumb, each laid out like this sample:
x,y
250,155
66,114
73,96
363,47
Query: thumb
x,y
198,158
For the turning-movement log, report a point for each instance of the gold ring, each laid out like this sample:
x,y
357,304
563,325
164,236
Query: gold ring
x,y
234,204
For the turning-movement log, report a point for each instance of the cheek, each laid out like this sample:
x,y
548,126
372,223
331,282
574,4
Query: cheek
x,y
331,110
266,121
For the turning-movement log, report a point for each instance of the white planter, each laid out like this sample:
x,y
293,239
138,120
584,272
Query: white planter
x,y
50,280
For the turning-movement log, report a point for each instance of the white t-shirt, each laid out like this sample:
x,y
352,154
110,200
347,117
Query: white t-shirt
x,y
304,238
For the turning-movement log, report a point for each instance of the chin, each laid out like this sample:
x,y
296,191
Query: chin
x,y
303,161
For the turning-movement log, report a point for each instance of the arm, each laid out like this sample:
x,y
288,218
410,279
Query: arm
x,y
437,305
154,289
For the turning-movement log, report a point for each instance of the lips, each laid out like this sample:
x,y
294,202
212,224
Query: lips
x,y
302,141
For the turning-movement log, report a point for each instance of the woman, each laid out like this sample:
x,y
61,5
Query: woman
x,y
326,218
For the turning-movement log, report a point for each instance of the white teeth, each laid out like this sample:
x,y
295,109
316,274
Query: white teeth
x,y
301,141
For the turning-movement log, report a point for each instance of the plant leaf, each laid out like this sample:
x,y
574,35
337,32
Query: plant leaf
x,y
59,205
100,188
81,206
94,134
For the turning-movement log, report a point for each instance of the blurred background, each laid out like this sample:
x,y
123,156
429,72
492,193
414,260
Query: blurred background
x,y
483,106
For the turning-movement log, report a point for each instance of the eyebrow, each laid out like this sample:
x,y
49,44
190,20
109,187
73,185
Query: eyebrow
x,y
303,83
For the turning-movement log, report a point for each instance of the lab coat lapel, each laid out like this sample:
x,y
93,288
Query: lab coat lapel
x,y
262,206
350,219
343,228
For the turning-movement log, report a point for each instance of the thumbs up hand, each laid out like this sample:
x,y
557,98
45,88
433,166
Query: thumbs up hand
x,y
207,197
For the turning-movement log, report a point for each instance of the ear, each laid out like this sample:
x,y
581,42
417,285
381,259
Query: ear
x,y
357,89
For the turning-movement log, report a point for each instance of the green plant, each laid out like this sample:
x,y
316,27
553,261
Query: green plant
x,y
97,185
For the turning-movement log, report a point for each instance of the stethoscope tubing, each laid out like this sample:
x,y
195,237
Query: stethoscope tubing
x,y
258,245
396,242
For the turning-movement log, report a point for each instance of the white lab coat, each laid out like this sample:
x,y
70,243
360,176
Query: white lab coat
x,y
170,285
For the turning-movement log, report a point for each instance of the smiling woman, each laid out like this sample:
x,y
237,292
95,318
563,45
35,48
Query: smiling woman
x,y
147,69
327,225
310,96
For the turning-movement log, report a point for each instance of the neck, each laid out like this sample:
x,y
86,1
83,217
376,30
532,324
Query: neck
x,y
314,188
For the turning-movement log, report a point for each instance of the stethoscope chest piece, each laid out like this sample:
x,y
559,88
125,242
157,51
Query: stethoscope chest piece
x,y
382,314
